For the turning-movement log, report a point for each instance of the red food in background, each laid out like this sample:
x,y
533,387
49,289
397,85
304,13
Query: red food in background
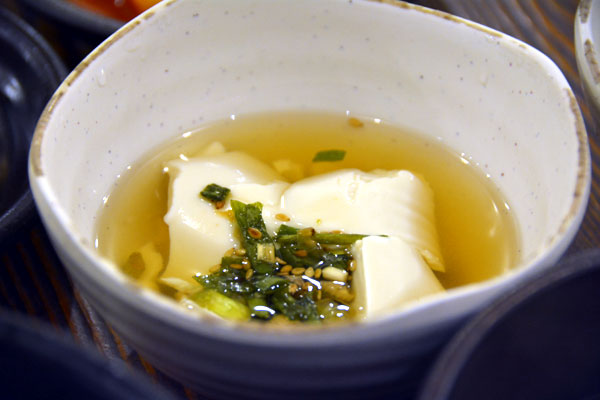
x,y
123,10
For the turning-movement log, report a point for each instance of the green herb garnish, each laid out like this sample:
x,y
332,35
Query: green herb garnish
x,y
222,305
301,308
255,238
215,193
284,274
135,265
329,155
324,238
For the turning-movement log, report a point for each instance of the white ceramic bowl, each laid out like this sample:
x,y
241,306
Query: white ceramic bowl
x,y
186,62
587,53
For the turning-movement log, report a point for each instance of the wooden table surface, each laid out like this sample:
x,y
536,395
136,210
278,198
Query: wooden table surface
x,y
33,280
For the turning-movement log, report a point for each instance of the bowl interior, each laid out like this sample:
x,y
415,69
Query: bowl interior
x,y
185,63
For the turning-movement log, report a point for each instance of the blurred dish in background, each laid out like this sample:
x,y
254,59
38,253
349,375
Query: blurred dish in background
x,y
123,10
539,342
29,73
39,363
73,31
587,53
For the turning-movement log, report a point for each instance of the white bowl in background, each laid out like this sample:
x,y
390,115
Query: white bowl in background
x,y
186,62
587,53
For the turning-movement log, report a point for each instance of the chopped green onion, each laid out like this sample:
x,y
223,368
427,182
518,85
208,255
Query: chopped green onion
x,y
324,238
215,193
329,155
254,232
259,308
269,278
266,252
270,283
135,265
286,230
227,261
222,305
296,309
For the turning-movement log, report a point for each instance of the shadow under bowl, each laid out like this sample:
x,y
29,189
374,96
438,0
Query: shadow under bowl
x,y
38,363
29,73
539,342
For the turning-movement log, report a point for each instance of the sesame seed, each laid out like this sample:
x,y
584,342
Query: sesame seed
x,y
318,273
236,266
352,266
355,122
301,253
286,269
280,261
310,272
249,274
229,252
293,288
254,233
282,217
298,271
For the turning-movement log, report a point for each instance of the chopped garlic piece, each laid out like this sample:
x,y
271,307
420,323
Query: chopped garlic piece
x,y
289,169
180,285
335,274
213,149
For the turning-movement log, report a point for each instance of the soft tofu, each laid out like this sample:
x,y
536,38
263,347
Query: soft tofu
x,y
389,274
391,271
199,234
393,203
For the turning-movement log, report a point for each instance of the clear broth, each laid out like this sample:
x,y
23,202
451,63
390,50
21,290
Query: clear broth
x,y
478,235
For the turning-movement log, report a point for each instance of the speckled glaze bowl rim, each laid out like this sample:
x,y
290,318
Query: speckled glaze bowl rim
x,y
350,334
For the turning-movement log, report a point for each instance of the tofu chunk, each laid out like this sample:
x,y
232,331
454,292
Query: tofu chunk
x,y
200,234
389,274
393,203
